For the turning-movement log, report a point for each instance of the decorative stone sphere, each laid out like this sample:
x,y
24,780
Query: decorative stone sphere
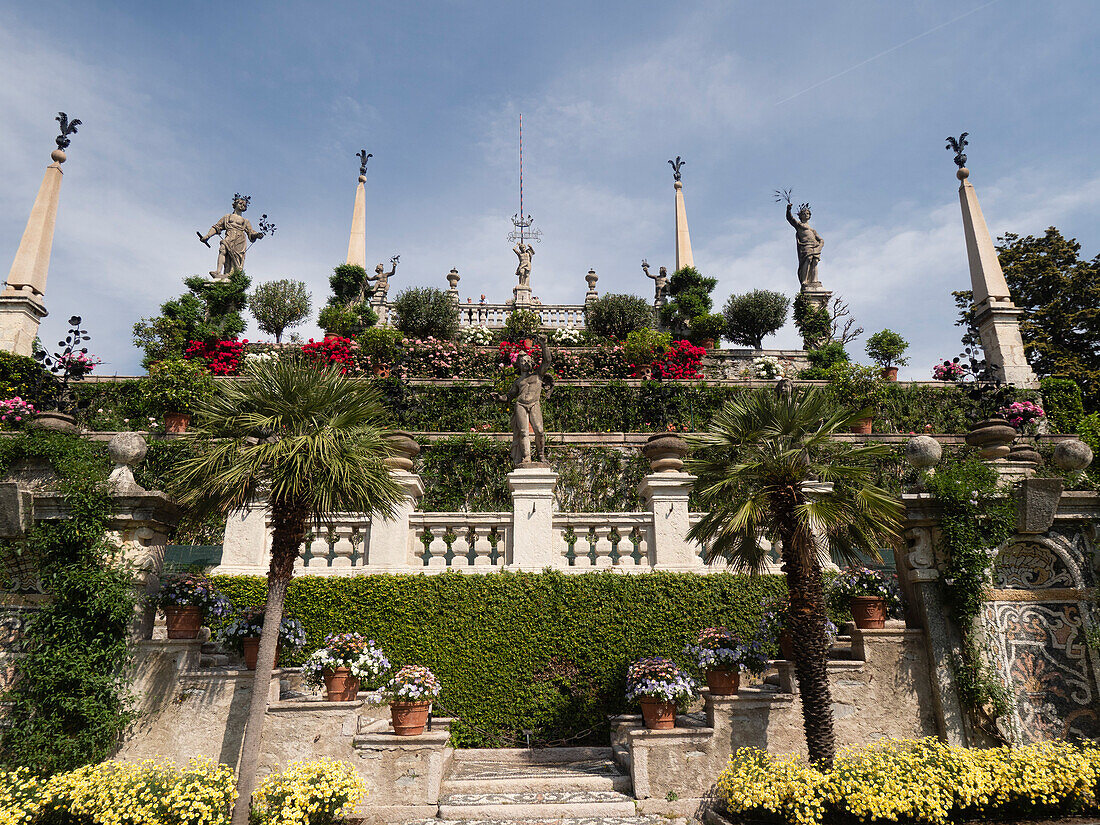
x,y
923,452
1072,456
963,173
127,449
362,178
57,156
405,449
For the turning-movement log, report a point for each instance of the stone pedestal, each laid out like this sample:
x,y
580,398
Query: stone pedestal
x,y
998,322
817,296
20,314
389,542
666,496
246,543
521,297
533,547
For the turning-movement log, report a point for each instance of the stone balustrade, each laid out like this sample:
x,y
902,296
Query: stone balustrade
x,y
494,316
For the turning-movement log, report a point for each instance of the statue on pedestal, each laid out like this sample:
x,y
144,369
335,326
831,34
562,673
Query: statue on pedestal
x,y
524,252
807,242
381,280
526,399
660,283
239,234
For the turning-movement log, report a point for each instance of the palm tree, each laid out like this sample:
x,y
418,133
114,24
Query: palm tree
x,y
307,442
756,465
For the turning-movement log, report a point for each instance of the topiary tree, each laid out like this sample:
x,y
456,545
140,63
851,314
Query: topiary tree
x,y
689,297
278,305
210,311
754,315
420,312
616,316
886,348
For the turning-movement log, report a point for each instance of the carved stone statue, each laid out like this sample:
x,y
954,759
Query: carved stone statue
x,y
381,280
809,244
238,233
524,252
660,283
526,399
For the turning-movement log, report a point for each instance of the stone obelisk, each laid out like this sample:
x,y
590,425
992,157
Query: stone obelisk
x,y
997,317
22,303
683,239
357,240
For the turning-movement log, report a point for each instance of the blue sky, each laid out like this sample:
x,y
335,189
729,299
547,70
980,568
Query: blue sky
x,y
847,103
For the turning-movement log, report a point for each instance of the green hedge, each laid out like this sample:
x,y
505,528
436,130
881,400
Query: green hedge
x,y
521,651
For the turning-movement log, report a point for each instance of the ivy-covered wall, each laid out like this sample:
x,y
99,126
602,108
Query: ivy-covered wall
x,y
522,651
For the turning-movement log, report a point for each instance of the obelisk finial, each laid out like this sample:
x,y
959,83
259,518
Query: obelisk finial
x,y
68,127
676,167
957,147
363,156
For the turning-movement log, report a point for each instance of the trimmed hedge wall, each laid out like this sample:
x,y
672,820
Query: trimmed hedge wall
x,y
521,651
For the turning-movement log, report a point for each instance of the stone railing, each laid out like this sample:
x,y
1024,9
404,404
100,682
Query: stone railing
x,y
605,540
474,541
340,548
554,316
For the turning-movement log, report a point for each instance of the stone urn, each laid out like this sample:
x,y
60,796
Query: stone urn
x,y
657,713
55,421
250,649
340,685
405,450
1026,453
183,620
868,612
409,718
666,452
992,437
723,681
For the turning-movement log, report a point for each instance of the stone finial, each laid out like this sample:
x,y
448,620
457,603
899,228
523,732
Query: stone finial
x,y
453,279
1072,456
127,450
591,278
666,452
405,450
923,452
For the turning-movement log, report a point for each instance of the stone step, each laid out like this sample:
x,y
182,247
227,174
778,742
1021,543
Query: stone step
x,y
469,776
539,806
531,755
209,660
650,819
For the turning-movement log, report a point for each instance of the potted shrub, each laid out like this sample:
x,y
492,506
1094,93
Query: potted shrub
x,y
870,596
661,688
175,388
775,632
707,329
856,387
244,629
949,371
411,692
721,654
187,599
886,349
643,347
345,661
1022,414
380,349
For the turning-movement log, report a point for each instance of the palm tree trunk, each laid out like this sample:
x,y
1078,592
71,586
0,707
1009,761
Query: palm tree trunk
x,y
811,651
288,531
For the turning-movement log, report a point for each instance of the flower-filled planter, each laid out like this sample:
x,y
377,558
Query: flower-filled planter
x,y
659,686
411,692
721,654
243,633
871,596
775,629
187,599
343,664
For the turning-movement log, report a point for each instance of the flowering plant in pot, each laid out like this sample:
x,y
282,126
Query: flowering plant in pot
x,y
721,654
175,388
187,599
858,388
411,692
774,630
244,629
343,664
661,688
15,413
949,371
1021,414
870,596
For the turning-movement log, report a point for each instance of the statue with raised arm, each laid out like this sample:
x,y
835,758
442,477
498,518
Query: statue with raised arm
x,y
523,271
807,242
660,283
526,399
238,234
381,280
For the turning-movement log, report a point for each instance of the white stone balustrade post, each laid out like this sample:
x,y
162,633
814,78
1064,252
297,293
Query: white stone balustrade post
x,y
532,535
246,543
390,539
666,496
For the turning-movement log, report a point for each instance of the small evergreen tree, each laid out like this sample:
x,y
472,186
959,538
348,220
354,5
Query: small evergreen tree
x,y
422,311
348,310
278,305
616,316
752,316
689,297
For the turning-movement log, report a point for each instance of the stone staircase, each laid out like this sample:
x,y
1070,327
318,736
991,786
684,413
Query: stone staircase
x,y
563,786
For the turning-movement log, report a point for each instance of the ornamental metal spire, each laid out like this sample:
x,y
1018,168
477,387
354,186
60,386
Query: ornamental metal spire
x,y
521,221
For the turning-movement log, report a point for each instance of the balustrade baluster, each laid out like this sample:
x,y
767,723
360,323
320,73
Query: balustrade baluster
x,y
342,548
603,545
460,548
483,548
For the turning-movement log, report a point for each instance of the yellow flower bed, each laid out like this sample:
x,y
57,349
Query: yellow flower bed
x,y
923,781
160,793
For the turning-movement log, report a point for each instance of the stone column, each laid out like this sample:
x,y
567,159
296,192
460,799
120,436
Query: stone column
x,y
390,538
998,319
357,241
665,492
683,239
533,545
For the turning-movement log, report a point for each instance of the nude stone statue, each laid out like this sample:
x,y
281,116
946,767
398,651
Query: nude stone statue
x,y
381,280
524,252
238,233
660,283
526,399
808,243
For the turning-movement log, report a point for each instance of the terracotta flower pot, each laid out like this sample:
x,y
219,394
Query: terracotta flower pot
x,y
183,620
993,437
250,647
340,685
409,718
707,344
658,714
176,423
723,682
331,336
786,645
890,373
868,612
382,372
862,426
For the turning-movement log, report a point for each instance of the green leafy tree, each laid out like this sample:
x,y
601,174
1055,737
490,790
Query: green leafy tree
x,y
887,348
422,311
754,463
522,324
209,311
306,443
753,316
348,310
616,316
279,305
689,297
